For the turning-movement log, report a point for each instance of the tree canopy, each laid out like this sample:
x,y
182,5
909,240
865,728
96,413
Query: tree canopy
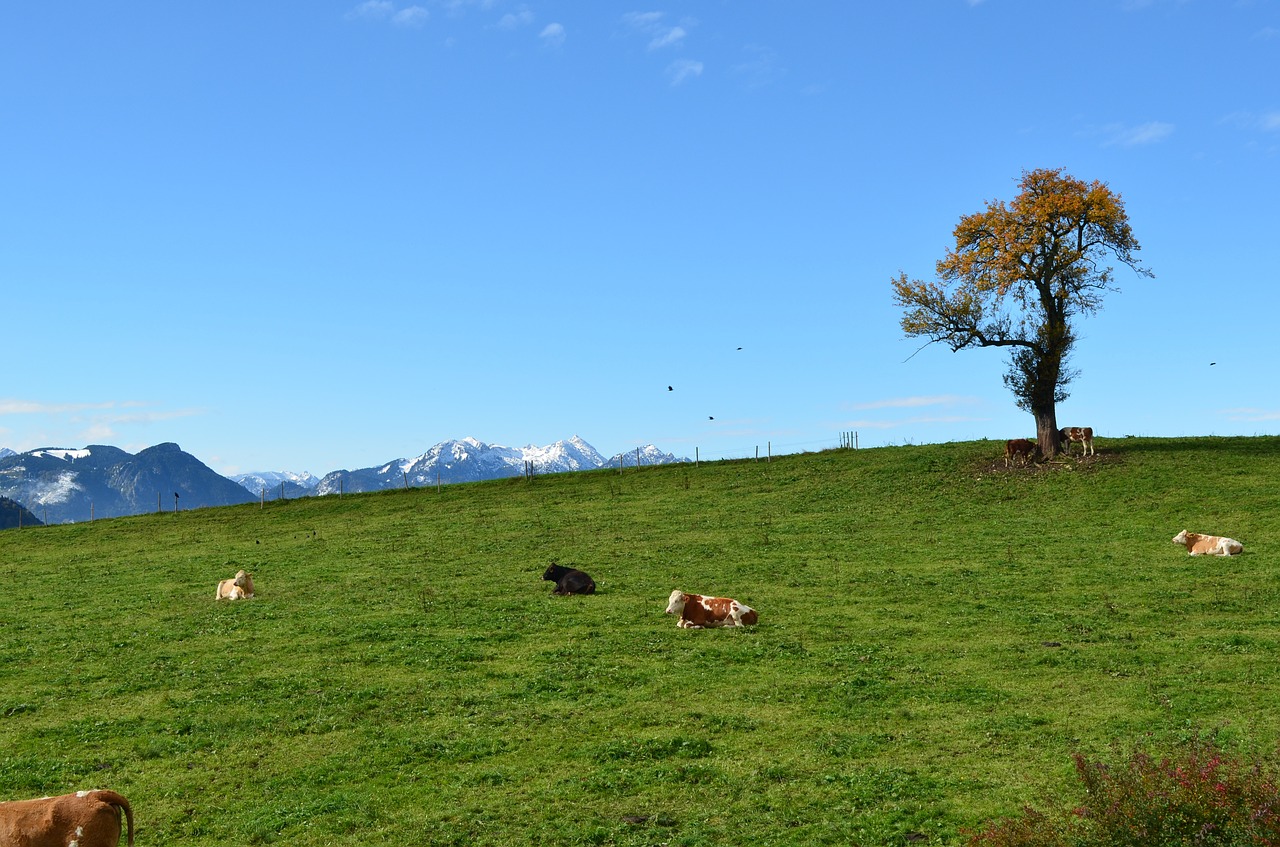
x,y
1017,276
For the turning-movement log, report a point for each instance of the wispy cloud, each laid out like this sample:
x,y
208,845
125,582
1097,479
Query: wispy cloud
x,y
413,16
682,70
85,423
917,402
1253,121
1250,415
385,10
376,9
1152,132
552,35
31,407
668,38
918,419
653,24
760,68
941,406
515,20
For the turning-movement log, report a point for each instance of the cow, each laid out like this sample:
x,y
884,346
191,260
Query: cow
x,y
239,587
569,580
697,612
1083,434
83,819
1019,447
1207,545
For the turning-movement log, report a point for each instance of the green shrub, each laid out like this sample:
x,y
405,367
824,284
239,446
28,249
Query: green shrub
x,y
1199,796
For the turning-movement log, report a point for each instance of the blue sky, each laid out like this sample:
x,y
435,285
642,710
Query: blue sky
x,y
320,235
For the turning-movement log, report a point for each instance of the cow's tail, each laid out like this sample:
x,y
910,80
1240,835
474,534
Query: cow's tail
x,y
118,800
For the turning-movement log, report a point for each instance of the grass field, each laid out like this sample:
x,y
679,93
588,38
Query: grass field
x,y
937,635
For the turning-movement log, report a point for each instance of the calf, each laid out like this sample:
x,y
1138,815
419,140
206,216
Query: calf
x,y
239,587
1019,447
569,580
83,819
1083,434
697,612
1207,545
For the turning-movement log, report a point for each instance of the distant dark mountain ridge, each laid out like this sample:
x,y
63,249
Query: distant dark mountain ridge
x,y
14,514
60,485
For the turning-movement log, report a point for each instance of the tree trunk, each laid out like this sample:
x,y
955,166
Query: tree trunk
x,y
1047,430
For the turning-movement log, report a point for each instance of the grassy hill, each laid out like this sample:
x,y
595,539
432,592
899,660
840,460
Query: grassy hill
x,y
937,635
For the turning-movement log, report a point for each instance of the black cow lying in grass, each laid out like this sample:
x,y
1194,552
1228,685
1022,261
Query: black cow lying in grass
x,y
569,580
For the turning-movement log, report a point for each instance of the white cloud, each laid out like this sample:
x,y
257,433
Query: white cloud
x,y
515,20
413,16
1137,136
552,35
642,20
683,69
1251,415
916,402
667,38
661,35
31,407
760,68
377,9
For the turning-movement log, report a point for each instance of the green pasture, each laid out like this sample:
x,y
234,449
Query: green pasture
x,y
937,635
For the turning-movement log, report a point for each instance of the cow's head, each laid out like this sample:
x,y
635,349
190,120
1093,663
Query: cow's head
x,y
675,603
554,572
1182,538
242,578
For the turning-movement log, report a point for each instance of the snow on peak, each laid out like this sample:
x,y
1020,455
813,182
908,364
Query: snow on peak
x,y
58,453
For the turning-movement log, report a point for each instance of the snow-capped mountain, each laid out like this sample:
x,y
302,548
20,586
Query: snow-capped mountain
x,y
60,485
274,484
470,460
5,451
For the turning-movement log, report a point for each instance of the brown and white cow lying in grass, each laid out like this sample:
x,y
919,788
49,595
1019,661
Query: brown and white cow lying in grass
x,y
1208,545
1023,448
83,819
239,587
697,612
1083,434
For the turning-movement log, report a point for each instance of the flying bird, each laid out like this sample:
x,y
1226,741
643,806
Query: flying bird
x,y
710,417
669,388
1211,364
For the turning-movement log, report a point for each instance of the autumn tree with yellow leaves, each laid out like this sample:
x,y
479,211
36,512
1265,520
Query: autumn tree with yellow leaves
x,y
1018,276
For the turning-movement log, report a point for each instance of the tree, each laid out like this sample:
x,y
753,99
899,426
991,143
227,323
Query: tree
x,y
1017,277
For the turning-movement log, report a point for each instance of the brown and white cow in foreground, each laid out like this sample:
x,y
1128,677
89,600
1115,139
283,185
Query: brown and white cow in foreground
x,y
1083,434
83,819
1208,545
698,612
239,587
1023,448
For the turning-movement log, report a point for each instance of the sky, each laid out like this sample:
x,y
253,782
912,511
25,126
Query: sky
x,y
309,236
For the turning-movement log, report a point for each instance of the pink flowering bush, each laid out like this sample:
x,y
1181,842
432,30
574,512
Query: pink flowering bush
x,y
1201,796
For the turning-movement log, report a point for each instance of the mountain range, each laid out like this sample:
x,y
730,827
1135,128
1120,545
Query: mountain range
x,y
61,485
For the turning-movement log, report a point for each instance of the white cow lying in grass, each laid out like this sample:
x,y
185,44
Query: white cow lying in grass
x,y
239,587
1207,545
83,819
